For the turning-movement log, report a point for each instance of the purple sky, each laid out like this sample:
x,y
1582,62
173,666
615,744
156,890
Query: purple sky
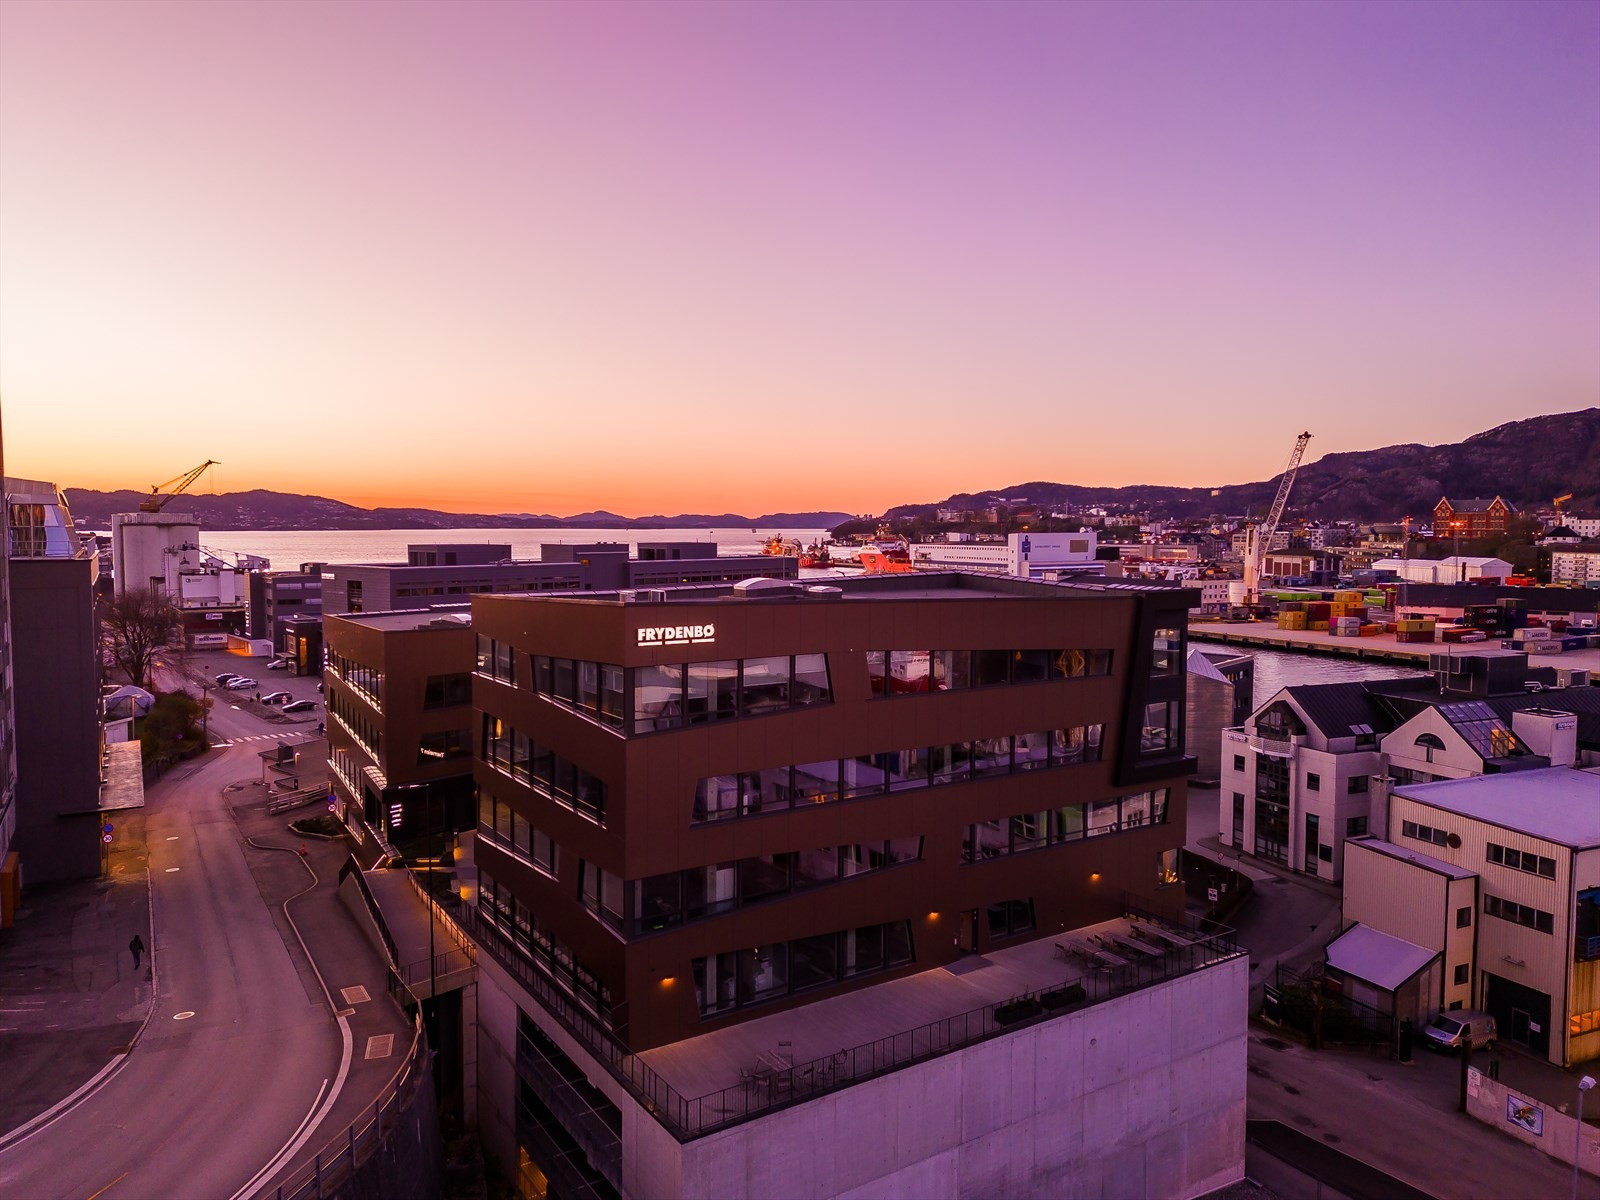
x,y
674,257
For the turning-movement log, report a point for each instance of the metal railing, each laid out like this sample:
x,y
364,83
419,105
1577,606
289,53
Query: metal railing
x,y
1586,949
687,1118
294,800
337,1161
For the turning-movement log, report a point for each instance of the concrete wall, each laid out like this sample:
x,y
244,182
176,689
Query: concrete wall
x,y
1141,1096
1486,1102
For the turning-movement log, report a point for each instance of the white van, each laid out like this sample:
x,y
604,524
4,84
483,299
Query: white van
x,y
1448,1029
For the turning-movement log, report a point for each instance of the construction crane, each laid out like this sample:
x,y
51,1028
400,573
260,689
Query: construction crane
x,y
162,494
1259,538
1559,501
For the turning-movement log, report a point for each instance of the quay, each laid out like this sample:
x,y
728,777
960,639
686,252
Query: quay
x,y
1263,635
1384,647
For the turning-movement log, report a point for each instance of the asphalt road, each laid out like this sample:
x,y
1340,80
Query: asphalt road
x,y
239,1053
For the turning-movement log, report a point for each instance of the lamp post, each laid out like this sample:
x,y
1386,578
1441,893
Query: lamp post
x,y
1461,572
1584,1085
205,713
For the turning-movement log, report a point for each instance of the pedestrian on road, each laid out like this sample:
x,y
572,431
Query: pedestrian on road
x,y
137,947
258,697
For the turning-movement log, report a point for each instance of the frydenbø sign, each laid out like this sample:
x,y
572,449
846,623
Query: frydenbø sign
x,y
677,635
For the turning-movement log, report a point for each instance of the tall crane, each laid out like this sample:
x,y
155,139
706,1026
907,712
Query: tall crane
x,y
162,494
1259,539
1559,501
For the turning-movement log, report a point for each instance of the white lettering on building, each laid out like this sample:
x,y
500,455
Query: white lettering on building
x,y
677,635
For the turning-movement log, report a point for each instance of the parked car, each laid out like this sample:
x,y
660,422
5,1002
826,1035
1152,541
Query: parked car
x,y
299,706
226,678
277,664
240,683
1448,1029
277,698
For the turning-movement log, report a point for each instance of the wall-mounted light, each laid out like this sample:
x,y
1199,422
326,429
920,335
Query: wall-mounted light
x,y
933,916
668,980
1094,877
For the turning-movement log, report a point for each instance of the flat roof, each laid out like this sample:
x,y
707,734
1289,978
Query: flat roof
x,y
410,618
914,585
1379,846
699,1066
1559,804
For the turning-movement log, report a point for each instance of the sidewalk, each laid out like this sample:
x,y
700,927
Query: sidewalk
x,y
355,973
71,1002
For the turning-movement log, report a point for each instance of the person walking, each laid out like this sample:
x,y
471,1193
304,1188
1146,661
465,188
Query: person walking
x,y
137,948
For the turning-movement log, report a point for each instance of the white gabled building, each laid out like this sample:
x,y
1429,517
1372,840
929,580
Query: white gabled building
x,y
1296,776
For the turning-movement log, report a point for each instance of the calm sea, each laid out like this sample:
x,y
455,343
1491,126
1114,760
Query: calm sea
x,y
289,548
1279,669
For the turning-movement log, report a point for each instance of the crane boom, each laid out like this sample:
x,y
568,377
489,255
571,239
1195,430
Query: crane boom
x,y
1260,536
160,496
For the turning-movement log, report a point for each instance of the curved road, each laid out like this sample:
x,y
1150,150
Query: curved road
x,y
205,1100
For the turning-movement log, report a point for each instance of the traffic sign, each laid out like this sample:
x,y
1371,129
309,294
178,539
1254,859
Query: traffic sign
x,y
106,838
108,827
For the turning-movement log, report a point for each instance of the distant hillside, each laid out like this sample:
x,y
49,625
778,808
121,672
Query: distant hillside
x,y
286,510
1528,462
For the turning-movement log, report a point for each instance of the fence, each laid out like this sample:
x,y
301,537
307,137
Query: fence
x,y
1330,1018
337,1161
691,1117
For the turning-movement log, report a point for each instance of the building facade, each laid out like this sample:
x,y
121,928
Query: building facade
x,y
1474,518
438,575
55,639
10,862
1296,776
399,721
1501,873
719,810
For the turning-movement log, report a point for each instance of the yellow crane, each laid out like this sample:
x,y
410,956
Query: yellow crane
x,y
1560,500
162,494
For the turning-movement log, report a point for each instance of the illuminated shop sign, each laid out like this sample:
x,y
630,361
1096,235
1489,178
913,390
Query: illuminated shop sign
x,y
677,635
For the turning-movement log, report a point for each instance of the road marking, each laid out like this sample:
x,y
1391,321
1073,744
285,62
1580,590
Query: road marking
x,y
170,870
355,995
183,1016
110,1185
173,838
380,1045
307,1127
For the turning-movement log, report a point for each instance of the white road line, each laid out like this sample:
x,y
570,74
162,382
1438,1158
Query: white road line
x,y
312,1119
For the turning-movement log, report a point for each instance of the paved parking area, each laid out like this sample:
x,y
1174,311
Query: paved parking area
x,y
202,667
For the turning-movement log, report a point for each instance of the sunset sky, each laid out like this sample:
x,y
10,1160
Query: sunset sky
x,y
767,257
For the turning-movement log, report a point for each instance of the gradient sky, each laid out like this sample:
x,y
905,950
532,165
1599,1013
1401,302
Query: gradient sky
x,y
761,257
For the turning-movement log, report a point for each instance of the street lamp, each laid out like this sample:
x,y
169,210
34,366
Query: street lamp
x,y
1461,571
1584,1085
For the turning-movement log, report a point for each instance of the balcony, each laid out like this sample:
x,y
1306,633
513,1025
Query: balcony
x,y
1586,948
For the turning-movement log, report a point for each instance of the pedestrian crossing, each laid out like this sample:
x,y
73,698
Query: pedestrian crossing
x,y
258,737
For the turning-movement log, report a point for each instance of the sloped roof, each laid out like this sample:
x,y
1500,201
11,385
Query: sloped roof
x,y
1384,961
1337,708
1476,504
1561,531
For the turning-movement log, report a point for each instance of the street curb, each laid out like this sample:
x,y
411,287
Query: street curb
x,y
106,1073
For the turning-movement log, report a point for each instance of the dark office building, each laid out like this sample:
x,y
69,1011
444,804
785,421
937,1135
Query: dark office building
x,y
435,576
56,679
709,807
399,722
276,597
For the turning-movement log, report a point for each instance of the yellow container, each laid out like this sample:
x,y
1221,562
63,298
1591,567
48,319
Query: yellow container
x,y
1319,626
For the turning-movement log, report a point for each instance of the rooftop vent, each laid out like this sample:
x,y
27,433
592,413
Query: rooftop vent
x,y
766,587
653,596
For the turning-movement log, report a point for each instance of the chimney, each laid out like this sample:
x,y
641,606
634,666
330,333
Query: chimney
x,y
1378,793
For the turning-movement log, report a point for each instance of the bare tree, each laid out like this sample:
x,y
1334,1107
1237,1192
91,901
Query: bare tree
x,y
138,624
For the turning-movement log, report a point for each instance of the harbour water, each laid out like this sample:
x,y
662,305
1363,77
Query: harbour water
x,y
1276,669
288,548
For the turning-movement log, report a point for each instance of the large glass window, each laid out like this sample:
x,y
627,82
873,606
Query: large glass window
x,y
811,680
1166,656
765,685
447,691
736,978
952,670
713,691
1160,728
